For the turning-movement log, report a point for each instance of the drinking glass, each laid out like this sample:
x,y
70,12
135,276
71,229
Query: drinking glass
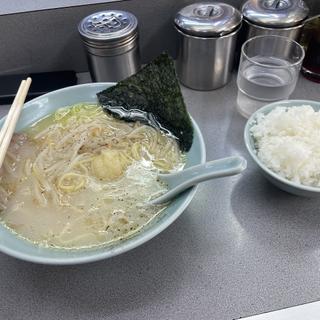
x,y
268,71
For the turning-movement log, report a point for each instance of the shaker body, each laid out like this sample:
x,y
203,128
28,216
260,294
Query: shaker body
x,y
254,30
205,63
113,68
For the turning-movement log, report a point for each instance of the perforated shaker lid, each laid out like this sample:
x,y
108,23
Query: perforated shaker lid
x,y
275,13
108,26
208,19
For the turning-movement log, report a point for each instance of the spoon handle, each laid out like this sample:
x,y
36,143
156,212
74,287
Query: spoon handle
x,y
182,180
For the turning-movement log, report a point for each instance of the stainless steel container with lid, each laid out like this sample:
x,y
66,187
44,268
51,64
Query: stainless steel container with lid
x,y
274,17
111,41
207,38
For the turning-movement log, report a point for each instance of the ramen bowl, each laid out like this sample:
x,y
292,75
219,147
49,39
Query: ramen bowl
x,y
13,245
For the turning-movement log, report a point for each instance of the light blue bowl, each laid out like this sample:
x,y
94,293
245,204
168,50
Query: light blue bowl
x,y
36,109
282,183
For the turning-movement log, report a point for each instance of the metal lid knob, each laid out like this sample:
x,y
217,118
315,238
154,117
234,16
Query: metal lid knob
x,y
208,19
275,13
108,26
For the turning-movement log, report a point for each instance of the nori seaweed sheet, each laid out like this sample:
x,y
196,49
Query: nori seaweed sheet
x,y
152,96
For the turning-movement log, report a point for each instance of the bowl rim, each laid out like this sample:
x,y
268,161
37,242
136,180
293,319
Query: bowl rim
x,y
247,135
100,253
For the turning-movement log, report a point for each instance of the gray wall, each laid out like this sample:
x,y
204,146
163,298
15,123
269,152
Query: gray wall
x,y
48,40
17,6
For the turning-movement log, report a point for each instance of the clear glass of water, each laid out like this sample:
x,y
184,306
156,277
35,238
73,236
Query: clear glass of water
x,y
268,71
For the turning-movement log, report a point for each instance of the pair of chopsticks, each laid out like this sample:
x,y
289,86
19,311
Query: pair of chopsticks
x,y
10,123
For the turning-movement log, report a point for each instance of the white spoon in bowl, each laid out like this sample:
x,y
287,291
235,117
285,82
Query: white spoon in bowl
x,y
182,180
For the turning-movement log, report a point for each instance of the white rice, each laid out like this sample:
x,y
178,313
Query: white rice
x,y
288,142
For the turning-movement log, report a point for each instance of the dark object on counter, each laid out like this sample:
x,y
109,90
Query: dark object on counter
x,y
41,84
152,96
311,38
207,39
274,17
111,41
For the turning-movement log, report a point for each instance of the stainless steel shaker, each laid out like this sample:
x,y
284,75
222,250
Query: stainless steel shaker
x,y
207,38
111,41
274,17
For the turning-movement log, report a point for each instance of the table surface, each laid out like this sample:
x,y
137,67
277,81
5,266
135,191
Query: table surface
x,y
242,247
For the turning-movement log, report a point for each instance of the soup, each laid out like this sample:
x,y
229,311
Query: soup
x,y
80,178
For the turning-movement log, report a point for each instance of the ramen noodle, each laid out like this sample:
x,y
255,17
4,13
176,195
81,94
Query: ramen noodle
x,y
80,178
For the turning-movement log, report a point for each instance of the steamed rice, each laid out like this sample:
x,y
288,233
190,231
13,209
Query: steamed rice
x,y
287,141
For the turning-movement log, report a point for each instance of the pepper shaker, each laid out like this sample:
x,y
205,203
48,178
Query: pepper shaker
x,y
111,41
207,38
274,17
